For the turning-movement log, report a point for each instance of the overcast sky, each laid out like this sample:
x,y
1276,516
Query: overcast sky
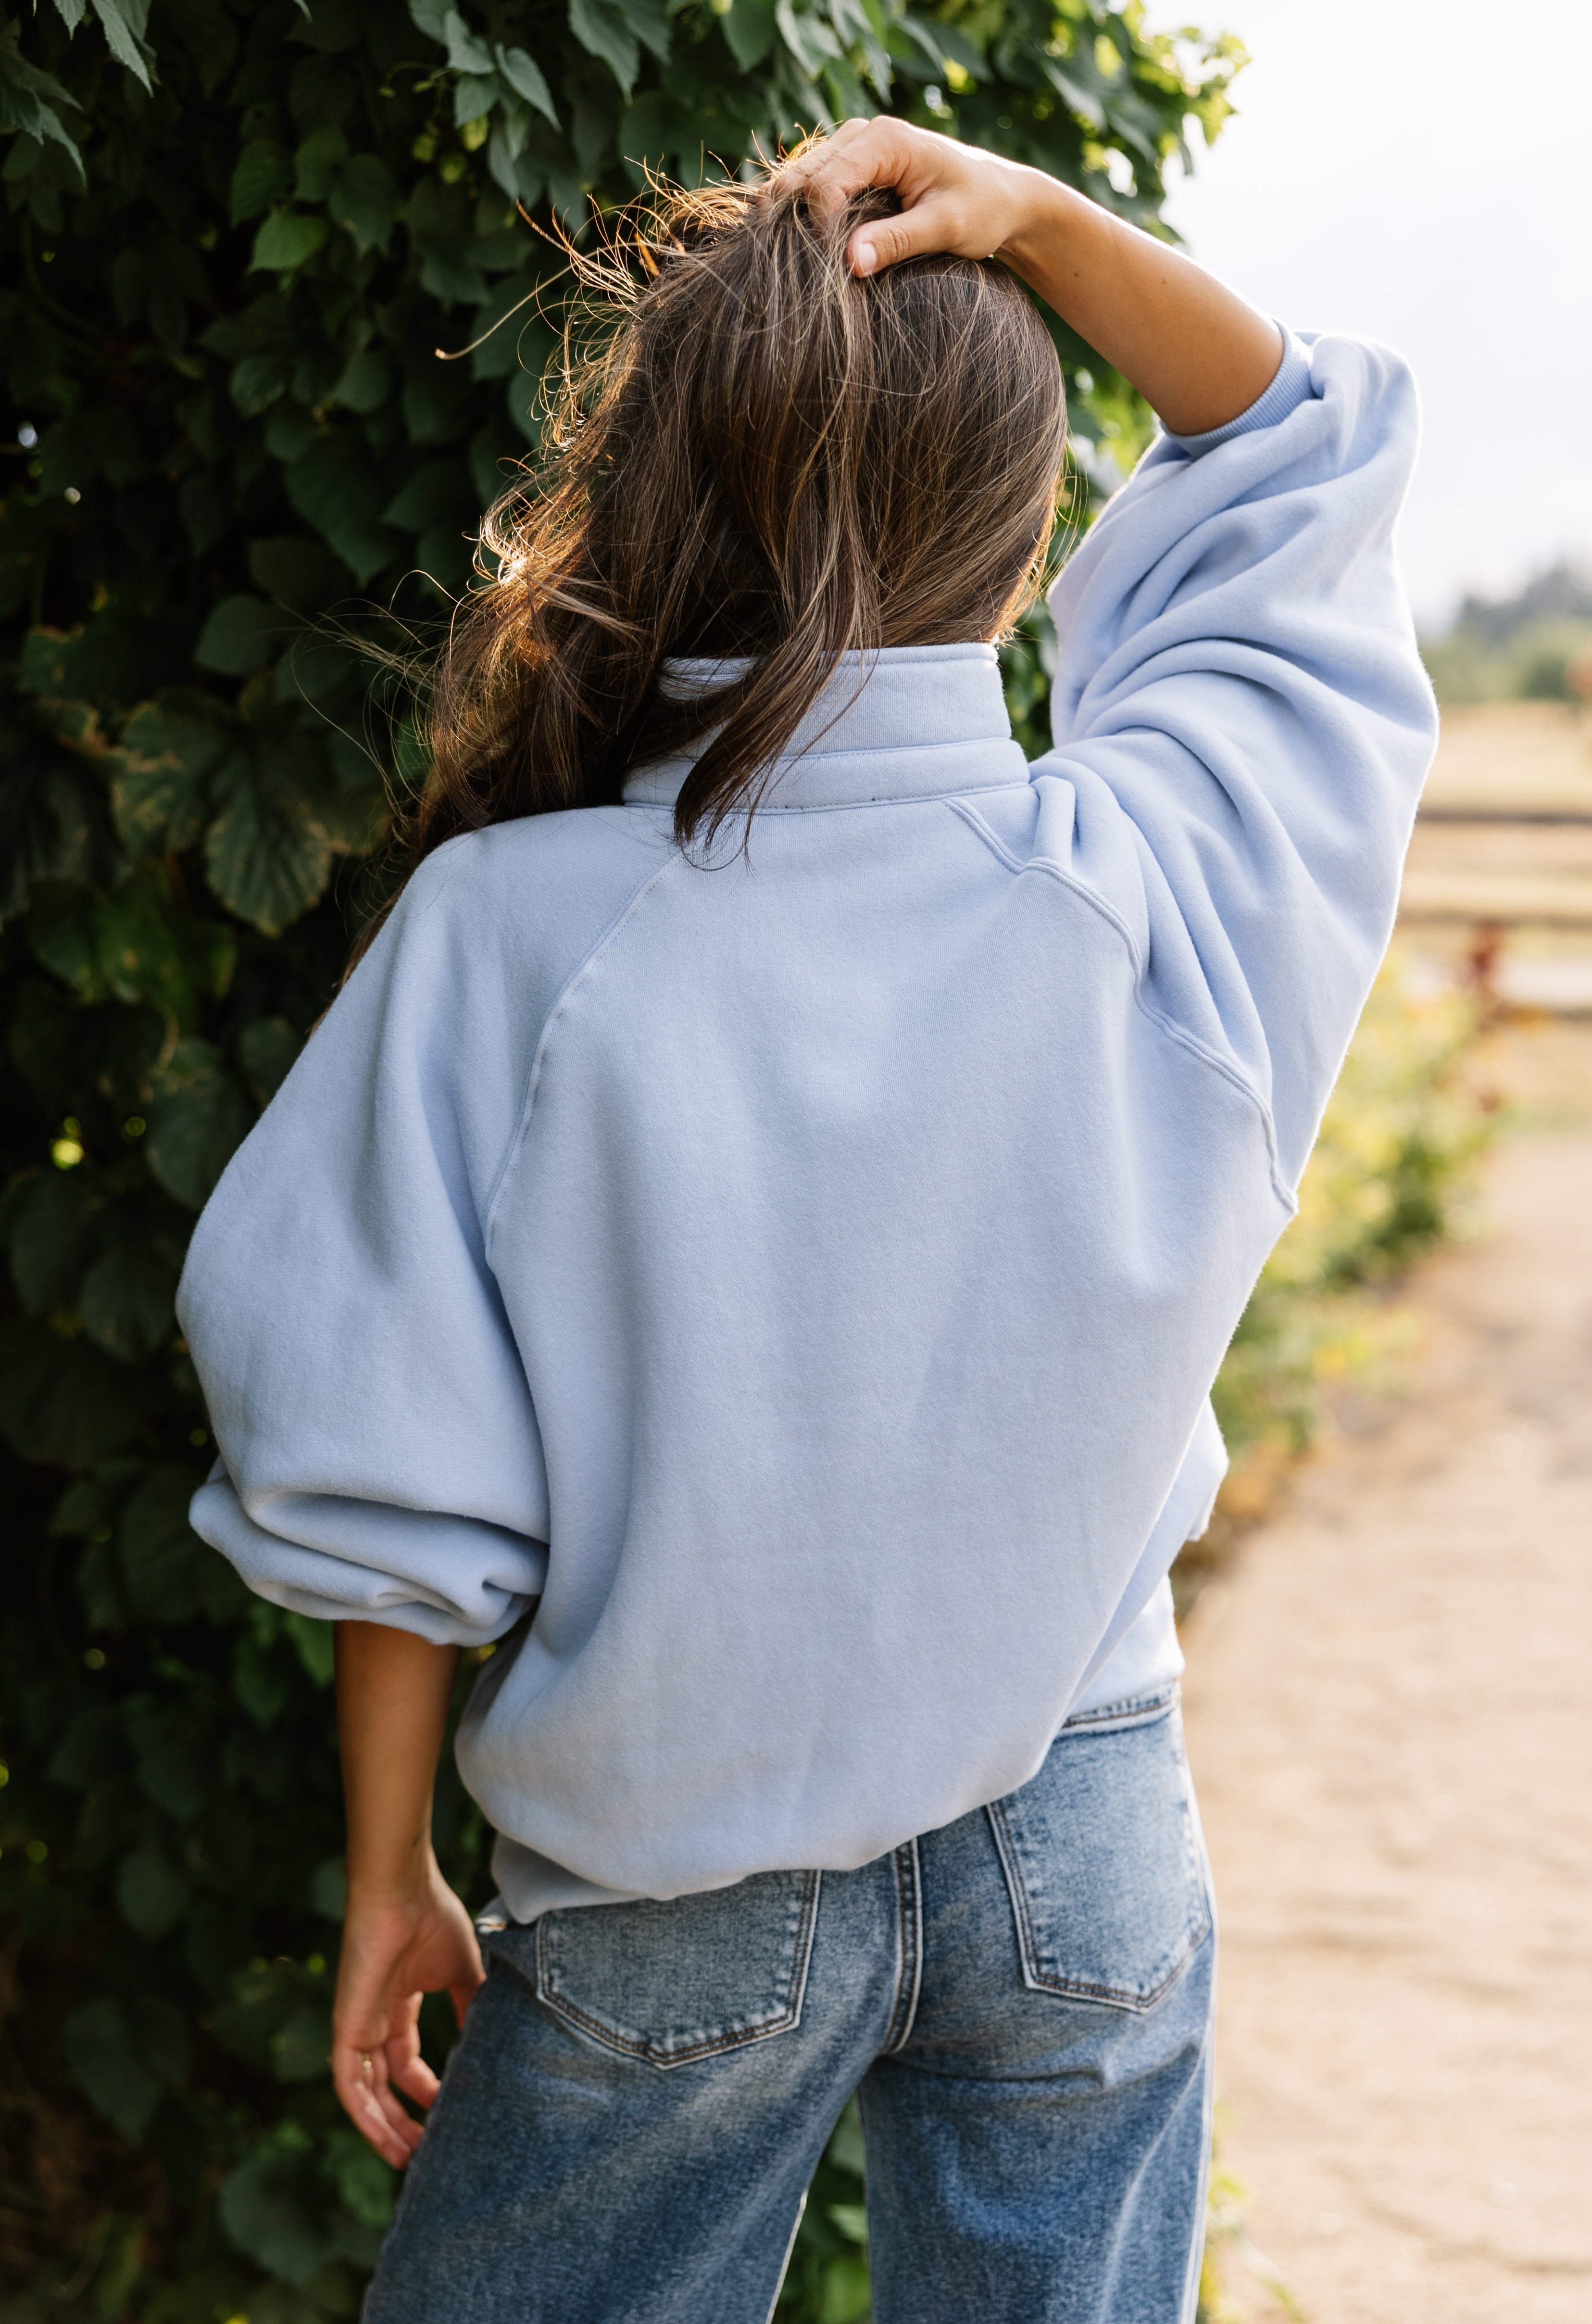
x,y
1422,170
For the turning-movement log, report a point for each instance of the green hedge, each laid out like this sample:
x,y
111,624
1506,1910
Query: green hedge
x,y
237,233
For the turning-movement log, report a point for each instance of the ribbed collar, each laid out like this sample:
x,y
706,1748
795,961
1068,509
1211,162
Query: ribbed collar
x,y
906,722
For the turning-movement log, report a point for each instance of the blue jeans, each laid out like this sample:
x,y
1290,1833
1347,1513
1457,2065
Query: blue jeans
x,y
1022,2000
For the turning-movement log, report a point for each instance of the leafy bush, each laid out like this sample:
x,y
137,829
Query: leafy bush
x,y
237,233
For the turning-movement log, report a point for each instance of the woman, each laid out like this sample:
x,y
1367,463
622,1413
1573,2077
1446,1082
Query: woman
x,y
757,1230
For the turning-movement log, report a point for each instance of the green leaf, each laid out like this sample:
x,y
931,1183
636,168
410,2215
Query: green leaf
x,y
313,1643
366,2185
171,1576
273,2207
466,52
806,35
328,1896
474,96
363,201
122,41
197,1119
52,823
126,1303
147,947
267,855
62,1400
93,1747
300,2047
161,769
335,489
295,572
365,382
174,1768
314,163
46,661
241,633
122,2054
261,175
748,27
267,1052
440,492
53,1231
151,1891
600,27
508,332
285,240
526,78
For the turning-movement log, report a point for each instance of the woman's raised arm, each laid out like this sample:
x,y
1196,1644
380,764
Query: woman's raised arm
x,y
1197,352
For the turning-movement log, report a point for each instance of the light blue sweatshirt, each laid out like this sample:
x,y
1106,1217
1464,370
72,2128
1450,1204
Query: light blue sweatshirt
x,y
805,1272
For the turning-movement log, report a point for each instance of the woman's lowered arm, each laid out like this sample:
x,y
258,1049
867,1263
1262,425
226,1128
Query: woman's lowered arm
x,y
404,1933
1196,352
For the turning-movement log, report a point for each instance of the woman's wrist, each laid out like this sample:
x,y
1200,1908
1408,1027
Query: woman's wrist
x,y
1199,355
1050,215
380,1880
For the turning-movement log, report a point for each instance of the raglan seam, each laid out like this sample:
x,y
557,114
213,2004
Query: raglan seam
x,y
1164,1024
533,1078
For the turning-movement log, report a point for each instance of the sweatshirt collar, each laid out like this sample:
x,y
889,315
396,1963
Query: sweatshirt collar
x,y
905,721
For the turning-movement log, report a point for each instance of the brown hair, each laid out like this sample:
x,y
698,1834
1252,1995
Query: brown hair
x,y
762,456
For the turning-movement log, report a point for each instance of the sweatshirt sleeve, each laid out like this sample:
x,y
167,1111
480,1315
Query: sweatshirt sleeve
x,y
1242,722
379,1453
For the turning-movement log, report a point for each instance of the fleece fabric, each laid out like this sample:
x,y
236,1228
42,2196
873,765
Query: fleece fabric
x,y
802,1272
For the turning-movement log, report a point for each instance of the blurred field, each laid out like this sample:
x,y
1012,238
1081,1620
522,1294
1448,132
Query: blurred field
x,y
1388,1710
1505,836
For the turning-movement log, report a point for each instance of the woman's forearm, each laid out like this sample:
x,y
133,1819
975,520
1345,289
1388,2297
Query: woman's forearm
x,y
404,1933
392,1697
1197,352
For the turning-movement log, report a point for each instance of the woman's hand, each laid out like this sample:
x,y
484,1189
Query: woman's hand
x,y
395,1950
1196,352
953,198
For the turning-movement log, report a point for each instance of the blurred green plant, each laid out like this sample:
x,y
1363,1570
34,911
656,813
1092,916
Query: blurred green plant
x,y
1534,645
1389,1179
236,234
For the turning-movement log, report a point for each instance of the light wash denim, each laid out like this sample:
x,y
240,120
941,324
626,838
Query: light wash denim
x,y
1022,1999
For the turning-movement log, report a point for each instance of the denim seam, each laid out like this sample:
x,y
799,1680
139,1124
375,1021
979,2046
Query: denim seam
x,y
562,2006
1077,1988
909,1938
1166,1025
785,2263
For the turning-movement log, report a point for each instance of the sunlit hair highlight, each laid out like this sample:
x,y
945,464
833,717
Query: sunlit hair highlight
x,y
749,453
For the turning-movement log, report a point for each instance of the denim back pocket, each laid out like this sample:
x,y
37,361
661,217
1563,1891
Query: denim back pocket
x,y
670,1983
1103,1863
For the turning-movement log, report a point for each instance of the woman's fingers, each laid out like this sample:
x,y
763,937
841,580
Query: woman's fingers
x,y
953,198
360,2079
861,154
935,224
463,1994
405,2066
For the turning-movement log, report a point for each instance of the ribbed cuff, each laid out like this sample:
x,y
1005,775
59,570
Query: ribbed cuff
x,y
1290,387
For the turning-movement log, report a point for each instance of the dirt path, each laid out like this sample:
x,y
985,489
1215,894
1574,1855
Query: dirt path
x,y
1390,1721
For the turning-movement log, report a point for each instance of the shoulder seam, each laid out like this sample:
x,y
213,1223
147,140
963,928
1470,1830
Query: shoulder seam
x,y
533,1078
1164,1024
